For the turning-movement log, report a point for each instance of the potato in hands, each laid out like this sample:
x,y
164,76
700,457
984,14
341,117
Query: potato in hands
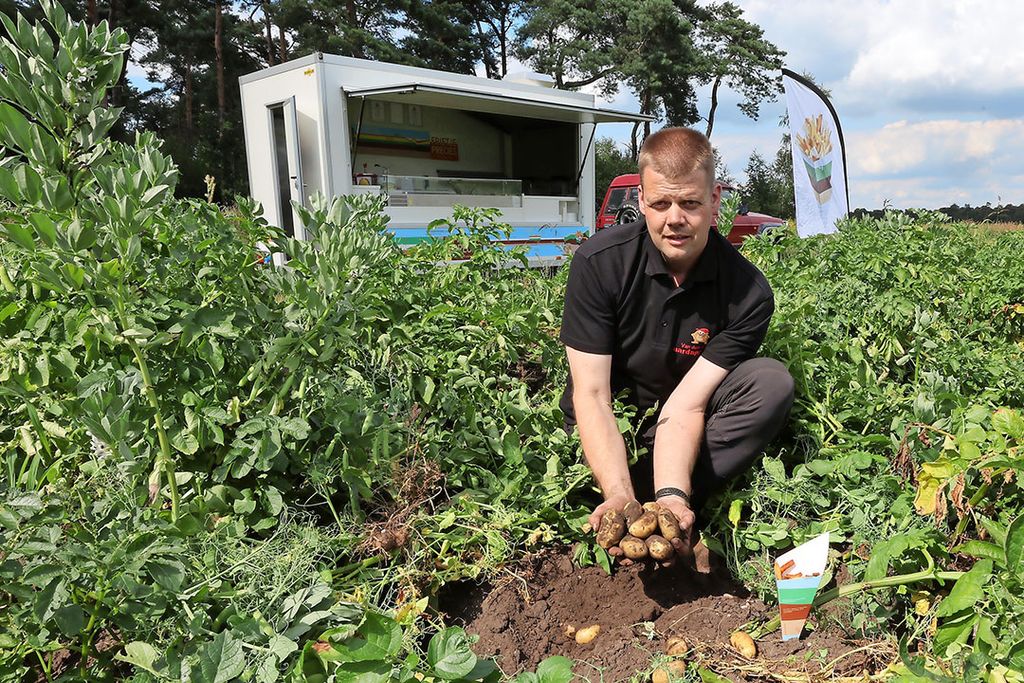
x,y
638,533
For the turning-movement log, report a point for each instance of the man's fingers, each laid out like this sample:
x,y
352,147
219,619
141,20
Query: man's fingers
x,y
615,551
678,544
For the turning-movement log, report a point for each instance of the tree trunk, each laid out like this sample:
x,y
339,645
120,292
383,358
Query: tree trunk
x,y
268,37
490,68
218,46
714,105
353,25
90,13
188,101
634,148
283,44
503,43
646,109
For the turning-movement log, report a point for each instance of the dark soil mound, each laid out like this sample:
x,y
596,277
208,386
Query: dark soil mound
x,y
531,616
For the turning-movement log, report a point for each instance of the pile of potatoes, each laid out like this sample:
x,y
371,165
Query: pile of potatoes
x,y
635,529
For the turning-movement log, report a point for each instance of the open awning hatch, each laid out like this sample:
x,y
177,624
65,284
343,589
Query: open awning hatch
x,y
450,97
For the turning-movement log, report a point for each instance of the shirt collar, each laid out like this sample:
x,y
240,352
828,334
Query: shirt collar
x,y
704,271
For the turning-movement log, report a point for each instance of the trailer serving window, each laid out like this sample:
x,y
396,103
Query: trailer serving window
x,y
524,146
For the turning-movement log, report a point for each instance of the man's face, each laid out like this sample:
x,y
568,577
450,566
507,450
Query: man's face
x,y
679,213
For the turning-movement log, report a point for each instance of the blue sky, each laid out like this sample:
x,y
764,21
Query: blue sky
x,y
930,95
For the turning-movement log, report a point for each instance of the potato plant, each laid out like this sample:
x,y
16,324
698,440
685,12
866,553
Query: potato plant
x,y
214,469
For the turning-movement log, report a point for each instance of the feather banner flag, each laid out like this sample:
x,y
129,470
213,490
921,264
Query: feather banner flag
x,y
819,157
798,576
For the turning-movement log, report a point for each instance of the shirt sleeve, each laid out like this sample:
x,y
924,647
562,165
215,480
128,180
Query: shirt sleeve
x,y
741,339
588,318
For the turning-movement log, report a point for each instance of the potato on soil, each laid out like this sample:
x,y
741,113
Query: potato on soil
x,y
612,529
668,524
669,671
587,634
659,548
744,644
632,511
676,646
633,547
645,526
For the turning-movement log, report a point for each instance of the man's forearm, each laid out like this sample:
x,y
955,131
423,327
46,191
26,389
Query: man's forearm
x,y
676,446
603,446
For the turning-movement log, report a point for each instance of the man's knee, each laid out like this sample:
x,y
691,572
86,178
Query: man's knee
x,y
770,385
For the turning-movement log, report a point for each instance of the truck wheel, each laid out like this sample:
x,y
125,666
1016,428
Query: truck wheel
x,y
627,213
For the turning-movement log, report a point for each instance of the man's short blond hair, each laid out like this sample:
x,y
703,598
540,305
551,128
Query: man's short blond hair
x,y
676,153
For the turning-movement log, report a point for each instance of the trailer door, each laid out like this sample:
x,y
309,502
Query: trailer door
x,y
284,130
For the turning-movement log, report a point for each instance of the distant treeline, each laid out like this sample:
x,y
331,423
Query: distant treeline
x,y
1004,213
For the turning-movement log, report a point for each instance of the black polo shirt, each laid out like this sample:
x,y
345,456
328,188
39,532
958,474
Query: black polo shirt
x,y
621,301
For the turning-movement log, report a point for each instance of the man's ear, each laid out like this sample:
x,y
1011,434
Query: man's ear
x,y
716,196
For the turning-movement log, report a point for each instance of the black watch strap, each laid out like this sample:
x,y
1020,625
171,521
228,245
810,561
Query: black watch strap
x,y
666,491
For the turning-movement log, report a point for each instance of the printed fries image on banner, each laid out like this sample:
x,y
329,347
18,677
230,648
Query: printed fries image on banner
x,y
816,148
798,575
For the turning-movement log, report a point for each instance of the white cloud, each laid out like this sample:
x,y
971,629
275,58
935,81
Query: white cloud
x,y
916,47
927,146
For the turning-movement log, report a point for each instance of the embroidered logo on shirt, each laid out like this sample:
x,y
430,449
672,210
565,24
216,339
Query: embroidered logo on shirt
x,y
700,338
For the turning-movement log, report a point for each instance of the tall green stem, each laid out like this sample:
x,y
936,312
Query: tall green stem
x,y
164,462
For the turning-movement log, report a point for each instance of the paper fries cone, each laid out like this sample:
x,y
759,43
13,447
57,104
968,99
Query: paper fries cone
x,y
806,563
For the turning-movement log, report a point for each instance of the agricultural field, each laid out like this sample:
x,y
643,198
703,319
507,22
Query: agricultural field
x,y
354,468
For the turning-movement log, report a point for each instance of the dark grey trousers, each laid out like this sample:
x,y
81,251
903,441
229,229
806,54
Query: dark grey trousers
x,y
747,410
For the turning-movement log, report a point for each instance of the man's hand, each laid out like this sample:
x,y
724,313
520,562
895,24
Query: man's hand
x,y
684,515
614,502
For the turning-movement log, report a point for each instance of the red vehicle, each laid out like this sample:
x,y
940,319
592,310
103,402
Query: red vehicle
x,y
621,205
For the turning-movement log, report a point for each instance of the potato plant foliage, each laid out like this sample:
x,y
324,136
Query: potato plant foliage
x,y
214,469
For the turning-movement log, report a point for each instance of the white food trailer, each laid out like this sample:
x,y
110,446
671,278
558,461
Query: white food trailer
x,y
429,140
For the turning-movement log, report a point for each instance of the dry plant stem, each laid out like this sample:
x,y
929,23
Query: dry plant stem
x,y
163,460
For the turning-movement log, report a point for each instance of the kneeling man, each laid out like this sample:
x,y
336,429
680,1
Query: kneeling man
x,y
667,310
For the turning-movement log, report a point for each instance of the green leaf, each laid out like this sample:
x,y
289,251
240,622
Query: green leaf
x,y
221,660
427,388
882,554
17,129
30,182
70,619
709,676
142,655
167,573
9,186
42,574
555,669
186,442
281,646
50,599
378,638
953,631
735,512
449,654
20,235
363,672
45,227
775,469
967,590
984,550
1014,545
1009,423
